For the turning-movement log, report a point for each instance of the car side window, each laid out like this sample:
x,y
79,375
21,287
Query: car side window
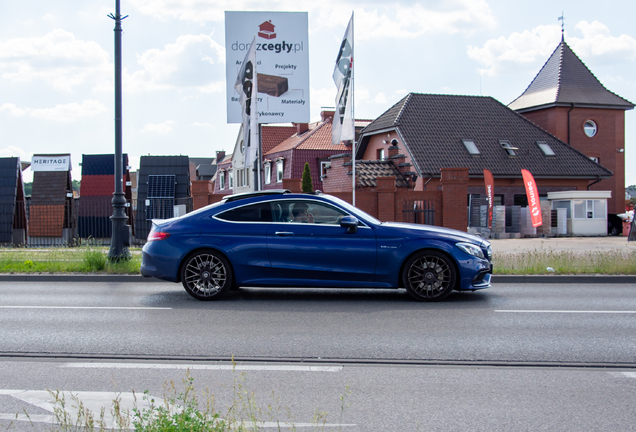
x,y
261,212
306,211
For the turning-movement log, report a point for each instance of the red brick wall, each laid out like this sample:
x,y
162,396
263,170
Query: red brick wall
x,y
604,145
454,192
201,191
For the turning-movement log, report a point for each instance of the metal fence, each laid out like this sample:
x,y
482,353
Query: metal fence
x,y
419,212
81,220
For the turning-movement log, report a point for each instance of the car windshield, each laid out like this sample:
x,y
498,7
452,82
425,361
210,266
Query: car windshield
x,y
355,210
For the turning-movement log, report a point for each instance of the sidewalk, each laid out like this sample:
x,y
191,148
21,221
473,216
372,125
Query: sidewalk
x,y
557,244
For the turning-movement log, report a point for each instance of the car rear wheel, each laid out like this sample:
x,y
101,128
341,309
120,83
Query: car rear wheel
x,y
429,276
206,275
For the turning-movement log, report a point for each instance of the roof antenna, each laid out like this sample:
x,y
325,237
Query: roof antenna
x,y
562,19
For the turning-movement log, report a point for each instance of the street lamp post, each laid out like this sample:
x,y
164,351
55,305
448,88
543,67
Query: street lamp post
x,y
120,238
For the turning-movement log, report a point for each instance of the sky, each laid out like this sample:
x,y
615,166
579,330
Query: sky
x,y
56,64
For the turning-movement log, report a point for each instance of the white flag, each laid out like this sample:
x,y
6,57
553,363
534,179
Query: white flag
x,y
247,87
343,128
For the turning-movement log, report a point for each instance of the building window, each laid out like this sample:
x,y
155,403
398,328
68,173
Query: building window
x,y
323,169
545,148
268,173
230,178
279,171
589,209
594,158
566,204
590,128
222,180
505,144
381,154
471,147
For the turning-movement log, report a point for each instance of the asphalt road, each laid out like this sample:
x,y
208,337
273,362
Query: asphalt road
x,y
542,323
522,356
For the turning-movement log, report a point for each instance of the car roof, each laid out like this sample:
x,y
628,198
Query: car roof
x,y
236,197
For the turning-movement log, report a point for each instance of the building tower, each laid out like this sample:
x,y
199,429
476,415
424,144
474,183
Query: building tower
x,y
567,100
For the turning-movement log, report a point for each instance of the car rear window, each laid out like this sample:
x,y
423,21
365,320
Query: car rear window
x,y
261,212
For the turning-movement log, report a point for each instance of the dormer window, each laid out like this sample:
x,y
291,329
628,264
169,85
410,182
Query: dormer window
x,y
545,148
471,147
505,144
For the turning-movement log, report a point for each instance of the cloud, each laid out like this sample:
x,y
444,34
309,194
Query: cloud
x,y
66,113
532,47
374,20
160,128
57,58
13,151
380,98
598,42
503,54
193,62
13,110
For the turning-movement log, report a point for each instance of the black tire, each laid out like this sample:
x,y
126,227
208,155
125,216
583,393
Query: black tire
x,y
206,275
429,276
614,231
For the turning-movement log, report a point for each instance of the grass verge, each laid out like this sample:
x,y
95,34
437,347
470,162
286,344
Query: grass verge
x,y
541,261
87,259
83,259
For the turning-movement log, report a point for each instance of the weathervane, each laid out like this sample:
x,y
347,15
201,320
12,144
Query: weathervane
x,y
562,19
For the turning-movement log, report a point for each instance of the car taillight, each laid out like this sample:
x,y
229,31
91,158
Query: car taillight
x,y
157,235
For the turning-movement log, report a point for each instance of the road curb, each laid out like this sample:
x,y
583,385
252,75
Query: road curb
x,y
76,278
496,279
564,279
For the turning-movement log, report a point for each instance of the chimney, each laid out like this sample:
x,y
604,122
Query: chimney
x,y
219,156
301,128
327,114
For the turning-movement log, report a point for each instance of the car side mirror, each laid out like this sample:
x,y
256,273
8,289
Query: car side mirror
x,y
350,223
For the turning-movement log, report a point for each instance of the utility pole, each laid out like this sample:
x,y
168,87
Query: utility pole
x,y
120,237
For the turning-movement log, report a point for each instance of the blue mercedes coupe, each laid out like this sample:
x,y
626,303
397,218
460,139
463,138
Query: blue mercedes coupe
x,y
281,239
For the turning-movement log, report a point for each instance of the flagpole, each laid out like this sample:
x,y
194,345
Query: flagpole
x,y
259,158
353,117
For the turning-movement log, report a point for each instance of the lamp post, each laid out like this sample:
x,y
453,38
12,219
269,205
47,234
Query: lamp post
x,y
120,238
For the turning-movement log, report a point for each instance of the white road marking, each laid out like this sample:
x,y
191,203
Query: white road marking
x,y
95,401
567,311
226,367
629,374
86,307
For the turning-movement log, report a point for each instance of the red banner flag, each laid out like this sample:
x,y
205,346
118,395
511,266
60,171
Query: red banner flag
x,y
490,190
534,203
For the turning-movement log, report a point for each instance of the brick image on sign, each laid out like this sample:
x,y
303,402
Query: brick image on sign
x,y
272,85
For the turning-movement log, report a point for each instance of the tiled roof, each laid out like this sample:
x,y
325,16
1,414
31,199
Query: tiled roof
x,y
564,79
10,180
368,171
49,187
97,185
433,127
317,137
178,166
101,164
272,135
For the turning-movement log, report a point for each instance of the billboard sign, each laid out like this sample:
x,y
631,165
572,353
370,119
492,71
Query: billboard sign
x,y
282,64
57,162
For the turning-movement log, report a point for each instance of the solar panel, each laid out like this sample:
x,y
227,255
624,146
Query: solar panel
x,y
161,186
160,197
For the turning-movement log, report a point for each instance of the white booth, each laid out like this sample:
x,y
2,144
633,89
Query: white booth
x,y
585,211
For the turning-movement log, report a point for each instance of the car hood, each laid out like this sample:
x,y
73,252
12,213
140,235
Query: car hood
x,y
429,229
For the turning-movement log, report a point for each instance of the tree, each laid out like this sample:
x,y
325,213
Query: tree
x,y
307,186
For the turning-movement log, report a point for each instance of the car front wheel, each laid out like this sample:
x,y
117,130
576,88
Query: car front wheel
x,y
206,275
429,276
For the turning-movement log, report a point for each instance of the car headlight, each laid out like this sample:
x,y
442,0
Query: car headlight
x,y
471,249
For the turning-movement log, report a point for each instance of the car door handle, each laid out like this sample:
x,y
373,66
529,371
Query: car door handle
x,y
284,233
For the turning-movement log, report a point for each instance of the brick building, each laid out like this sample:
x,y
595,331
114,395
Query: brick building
x,y
568,101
